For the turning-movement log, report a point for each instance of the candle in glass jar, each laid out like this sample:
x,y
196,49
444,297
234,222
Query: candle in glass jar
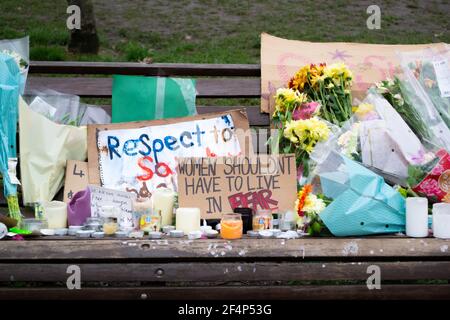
x,y
55,212
417,217
231,226
163,201
441,220
188,219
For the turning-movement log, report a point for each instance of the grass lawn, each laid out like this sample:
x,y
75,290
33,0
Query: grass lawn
x,y
217,31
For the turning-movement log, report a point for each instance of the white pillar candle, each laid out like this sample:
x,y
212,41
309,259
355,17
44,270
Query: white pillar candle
x,y
55,212
417,217
188,219
163,201
441,220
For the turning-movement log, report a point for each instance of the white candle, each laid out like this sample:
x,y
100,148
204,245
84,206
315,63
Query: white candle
x,y
188,219
55,212
441,220
164,200
417,217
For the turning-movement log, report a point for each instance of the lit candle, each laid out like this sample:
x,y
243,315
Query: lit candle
x,y
163,201
188,219
441,220
417,217
231,226
55,212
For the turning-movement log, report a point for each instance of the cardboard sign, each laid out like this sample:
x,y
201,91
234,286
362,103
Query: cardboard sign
x,y
370,63
218,185
77,178
107,197
141,159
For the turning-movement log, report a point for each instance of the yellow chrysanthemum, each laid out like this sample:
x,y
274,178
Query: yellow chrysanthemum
x,y
288,99
363,109
336,70
306,133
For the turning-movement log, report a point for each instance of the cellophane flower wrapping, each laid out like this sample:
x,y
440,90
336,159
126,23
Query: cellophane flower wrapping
x,y
362,203
412,107
428,71
65,108
380,139
9,99
19,50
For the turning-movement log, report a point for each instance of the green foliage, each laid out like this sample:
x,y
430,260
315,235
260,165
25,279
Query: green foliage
x,y
52,53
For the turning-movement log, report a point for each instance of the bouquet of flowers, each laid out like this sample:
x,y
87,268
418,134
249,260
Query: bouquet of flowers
x,y
432,179
9,100
299,128
412,106
328,85
308,207
18,49
379,138
362,203
430,70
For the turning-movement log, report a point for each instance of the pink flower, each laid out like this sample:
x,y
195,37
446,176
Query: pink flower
x,y
438,169
430,187
306,110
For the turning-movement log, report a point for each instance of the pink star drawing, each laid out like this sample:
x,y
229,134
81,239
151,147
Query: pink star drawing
x,y
339,55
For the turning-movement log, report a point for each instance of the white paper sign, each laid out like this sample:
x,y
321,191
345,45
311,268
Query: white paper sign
x,y
140,160
442,77
107,197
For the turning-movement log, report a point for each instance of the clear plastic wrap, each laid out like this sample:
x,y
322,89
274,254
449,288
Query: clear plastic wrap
x,y
361,202
428,73
19,49
380,139
65,108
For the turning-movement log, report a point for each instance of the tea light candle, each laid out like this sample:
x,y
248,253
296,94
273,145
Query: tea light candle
x,y
155,235
176,233
441,220
417,217
205,228
188,219
73,230
55,212
193,235
167,229
212,234
163,201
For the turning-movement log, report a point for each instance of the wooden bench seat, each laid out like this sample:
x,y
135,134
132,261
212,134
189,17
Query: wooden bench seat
x,y
306,268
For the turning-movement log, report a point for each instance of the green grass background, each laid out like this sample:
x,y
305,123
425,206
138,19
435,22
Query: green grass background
x,y
217,31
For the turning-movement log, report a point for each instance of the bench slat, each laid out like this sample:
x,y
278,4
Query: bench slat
x,y
306,292
102,87
225,271
299,249
155,69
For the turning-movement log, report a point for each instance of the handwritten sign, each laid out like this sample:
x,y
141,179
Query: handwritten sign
x,y
370,63
77,178
218,185
107,197
141,160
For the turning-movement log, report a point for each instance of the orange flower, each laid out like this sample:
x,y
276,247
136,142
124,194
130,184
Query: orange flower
x,y
302,195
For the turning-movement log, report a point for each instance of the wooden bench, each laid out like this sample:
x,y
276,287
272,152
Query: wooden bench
x,y
307,268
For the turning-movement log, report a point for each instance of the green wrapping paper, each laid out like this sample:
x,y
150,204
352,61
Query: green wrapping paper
x,y
137,98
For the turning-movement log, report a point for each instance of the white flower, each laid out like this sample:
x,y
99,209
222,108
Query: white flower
x,y
21,63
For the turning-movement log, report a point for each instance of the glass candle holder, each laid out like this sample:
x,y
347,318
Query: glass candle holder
x,y
110,226
441,220
417,217
262,220
231,226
